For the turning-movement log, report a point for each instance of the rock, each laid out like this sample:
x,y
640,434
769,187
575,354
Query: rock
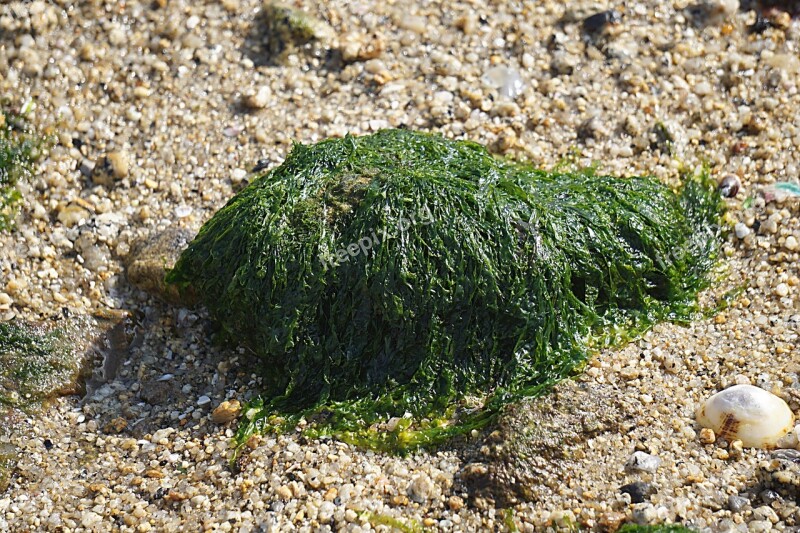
x,y
642,462
737,503
538,438
203,400
747,413
422,489
639,491
226,411
151,258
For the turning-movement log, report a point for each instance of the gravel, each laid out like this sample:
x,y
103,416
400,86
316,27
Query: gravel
x,y
159,109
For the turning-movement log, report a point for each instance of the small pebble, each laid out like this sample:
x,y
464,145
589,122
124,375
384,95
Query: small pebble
x,y
600,21
258,99
707,436
729,186
639,491
643,462
737,503
507,81
203,400
226,411
87,168
741,230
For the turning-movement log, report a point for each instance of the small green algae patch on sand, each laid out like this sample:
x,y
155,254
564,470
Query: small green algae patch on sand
x,y
38,362
400,288
666,528
20,148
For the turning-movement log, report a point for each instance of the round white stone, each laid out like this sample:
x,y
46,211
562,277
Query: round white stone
x,y
743,412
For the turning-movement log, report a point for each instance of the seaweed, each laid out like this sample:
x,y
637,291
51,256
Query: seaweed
x,y
400,288
20,148
664,528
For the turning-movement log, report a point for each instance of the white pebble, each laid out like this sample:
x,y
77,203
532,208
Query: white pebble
x,y
203,400
743,412
791,243
782,290
741,230
183,211
238,175
642,462
192,22
506,80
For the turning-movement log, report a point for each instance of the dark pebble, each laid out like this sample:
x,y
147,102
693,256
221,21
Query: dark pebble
x,y
737,503
761,25
768,496
600,21
48,444
639,491
261,164
729,186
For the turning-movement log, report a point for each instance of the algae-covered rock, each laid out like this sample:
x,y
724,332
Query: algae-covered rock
x,y
404,277
288,29
40,361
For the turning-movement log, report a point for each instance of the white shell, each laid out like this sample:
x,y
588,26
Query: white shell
x,y
752,415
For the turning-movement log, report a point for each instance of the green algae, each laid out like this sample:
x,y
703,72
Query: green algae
x,y
20,148
400,288
665,528
38,362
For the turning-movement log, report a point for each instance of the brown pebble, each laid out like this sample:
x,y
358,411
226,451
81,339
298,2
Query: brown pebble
x,y
174,496
97,487
612,521
455,503
707,436
399,499
117,425
226,411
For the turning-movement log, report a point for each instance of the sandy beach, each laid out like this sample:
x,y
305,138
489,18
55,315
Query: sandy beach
x,y
159,111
